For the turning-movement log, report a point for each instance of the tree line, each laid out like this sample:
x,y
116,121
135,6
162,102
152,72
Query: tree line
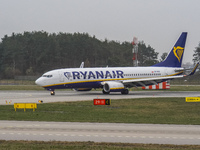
x,y
33,53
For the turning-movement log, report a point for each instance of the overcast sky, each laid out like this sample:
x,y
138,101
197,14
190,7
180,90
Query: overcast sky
x,y
158,23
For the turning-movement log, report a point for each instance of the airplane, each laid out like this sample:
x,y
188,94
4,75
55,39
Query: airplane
x,y
117,79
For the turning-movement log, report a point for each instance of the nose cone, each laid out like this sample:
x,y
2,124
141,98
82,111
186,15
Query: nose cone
x,y
39,82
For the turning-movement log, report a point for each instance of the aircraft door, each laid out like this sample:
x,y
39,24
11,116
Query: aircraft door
x,y
61,76
166,72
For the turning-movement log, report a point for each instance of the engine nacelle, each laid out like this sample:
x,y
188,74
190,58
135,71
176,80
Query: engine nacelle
x,y
113,86
83,89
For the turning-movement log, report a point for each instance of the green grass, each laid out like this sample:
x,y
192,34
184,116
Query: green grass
x,y
144,110
184,88
20,87
53,145
16,82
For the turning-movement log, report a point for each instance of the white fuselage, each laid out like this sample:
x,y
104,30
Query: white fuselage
x,y
92,77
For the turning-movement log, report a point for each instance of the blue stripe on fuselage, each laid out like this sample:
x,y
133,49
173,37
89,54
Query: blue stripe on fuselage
x,y
95,84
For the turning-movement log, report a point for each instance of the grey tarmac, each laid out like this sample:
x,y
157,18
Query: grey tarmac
x,y
100,132
12,97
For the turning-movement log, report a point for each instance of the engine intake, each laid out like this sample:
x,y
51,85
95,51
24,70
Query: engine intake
x,y
113,86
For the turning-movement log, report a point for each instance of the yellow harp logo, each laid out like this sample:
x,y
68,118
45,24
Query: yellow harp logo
x,y
178,52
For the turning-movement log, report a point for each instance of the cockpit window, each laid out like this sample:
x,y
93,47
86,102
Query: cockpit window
x,y
47,76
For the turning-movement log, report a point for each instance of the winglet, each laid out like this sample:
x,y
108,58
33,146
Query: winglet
x,y
175,56
194,69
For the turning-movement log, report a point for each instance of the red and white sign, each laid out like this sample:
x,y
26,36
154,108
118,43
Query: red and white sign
x,y
101,101
163,85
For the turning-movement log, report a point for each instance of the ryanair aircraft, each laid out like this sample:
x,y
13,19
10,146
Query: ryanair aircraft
x,y
117,79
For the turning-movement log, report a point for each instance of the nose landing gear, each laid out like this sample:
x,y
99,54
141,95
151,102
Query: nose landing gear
x,y
52,92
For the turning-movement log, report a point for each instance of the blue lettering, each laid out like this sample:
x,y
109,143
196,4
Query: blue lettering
x,y
114,75
76,75
99,74
108,74
84,74
119,74
91,74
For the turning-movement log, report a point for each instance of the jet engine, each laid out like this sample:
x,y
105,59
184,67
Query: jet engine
x,y
114,86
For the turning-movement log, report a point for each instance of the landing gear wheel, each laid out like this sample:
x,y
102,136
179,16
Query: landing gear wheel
x,y
52,93
104,92
125,91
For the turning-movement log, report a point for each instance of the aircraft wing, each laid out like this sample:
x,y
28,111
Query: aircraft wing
x,y
148,81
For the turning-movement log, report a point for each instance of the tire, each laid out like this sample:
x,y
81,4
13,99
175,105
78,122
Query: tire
x,y
104,92
125,91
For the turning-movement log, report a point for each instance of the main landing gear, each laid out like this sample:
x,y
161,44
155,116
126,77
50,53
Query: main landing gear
x,y
104,92
125,91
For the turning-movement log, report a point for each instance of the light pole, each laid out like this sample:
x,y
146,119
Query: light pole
x,y
135,51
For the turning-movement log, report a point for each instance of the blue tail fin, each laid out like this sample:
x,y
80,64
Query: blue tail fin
x,y
175,56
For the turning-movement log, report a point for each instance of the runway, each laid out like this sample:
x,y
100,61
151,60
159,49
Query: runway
x,y
11,97
100,132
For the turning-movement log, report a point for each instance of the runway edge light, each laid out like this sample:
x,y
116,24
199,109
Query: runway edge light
x,y
192,99
101,101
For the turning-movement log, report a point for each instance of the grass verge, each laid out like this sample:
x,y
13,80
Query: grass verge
x,y
144,110
34,145
20,87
